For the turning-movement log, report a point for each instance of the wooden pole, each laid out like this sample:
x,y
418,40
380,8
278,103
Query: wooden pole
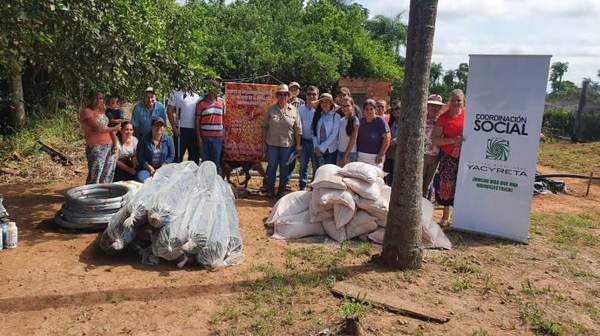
x,y
589,184
582,101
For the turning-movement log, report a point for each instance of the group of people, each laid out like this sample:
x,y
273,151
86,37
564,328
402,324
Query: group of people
x,y
324,129
321,129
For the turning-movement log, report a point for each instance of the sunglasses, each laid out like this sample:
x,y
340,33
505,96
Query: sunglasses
x,y
281,94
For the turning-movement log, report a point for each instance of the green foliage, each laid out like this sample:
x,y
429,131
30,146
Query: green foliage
x,y
530,313
352,309
558,121
58,129
558,70
127,45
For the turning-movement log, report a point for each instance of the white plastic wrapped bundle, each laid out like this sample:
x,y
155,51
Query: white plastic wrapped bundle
x,y
220,212
153,189
117,235
165,208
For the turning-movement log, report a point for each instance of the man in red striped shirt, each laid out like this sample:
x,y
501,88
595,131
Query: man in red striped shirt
x,y
209,125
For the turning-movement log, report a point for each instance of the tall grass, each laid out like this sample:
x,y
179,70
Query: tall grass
x,y
59,129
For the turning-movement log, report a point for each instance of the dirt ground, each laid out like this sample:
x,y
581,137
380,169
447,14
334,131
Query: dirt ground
x,y
59,283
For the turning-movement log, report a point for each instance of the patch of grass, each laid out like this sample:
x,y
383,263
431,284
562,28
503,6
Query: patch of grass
x,y
575,158
489,285
592,310
352,309
58,129
363,249
531,314
583,274
480,332
528,288
572,231
277,300
410,276
460,284
458,265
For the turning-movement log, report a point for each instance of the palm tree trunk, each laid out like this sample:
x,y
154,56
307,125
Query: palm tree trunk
x,y
402,246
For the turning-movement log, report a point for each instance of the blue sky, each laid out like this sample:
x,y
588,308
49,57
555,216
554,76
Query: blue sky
x,y
567,30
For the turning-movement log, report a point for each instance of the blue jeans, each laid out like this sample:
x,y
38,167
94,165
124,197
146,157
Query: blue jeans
x,y
306,155
388,167
212,150
142,175
187,140
352,157
327,158
278,156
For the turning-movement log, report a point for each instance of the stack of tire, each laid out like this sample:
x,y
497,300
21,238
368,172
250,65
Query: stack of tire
x,y
91,206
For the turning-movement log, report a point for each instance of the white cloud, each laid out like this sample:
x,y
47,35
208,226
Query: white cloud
x,y
568,30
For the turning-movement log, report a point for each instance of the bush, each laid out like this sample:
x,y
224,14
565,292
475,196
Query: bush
x,y
590,126
60,128
558,122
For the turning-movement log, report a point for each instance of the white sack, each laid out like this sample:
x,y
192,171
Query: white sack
x,y
316,210
342,215
336,234
361,170
327,177
377,236
364,189
378,207
327,196
297,226
290,204
433,237
361,224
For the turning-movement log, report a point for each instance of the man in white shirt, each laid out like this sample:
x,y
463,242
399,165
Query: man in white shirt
x,y
181,109
306,113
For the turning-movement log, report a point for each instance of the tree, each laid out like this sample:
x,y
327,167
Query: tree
x,y
435,73
402,246
448,78
390,30
461,74
558,70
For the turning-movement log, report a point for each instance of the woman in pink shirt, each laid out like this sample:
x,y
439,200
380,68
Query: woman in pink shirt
x,y
101,144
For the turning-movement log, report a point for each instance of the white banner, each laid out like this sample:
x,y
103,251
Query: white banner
x,y
503,120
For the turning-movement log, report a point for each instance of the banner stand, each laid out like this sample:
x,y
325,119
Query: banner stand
x,y
503,119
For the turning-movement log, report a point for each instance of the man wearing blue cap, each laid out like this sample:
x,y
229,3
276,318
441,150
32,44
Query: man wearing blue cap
x,y
144,112
154,150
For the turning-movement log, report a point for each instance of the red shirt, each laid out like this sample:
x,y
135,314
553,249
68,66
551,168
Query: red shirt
x,y
452,127
211,117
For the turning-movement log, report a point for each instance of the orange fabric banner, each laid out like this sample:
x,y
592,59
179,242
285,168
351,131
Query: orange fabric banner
x,y
246,106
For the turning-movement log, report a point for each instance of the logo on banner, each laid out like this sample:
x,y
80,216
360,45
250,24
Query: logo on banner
x,y
497,149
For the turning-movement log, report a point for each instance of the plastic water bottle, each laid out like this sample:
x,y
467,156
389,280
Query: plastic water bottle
x,y
12,235
1,239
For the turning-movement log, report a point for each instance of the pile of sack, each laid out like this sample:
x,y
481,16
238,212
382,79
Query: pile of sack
x,y
184,212
346,203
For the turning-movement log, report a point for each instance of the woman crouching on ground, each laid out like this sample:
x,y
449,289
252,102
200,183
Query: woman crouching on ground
x,y
373,136
127,162
448,136
101,143
154,150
